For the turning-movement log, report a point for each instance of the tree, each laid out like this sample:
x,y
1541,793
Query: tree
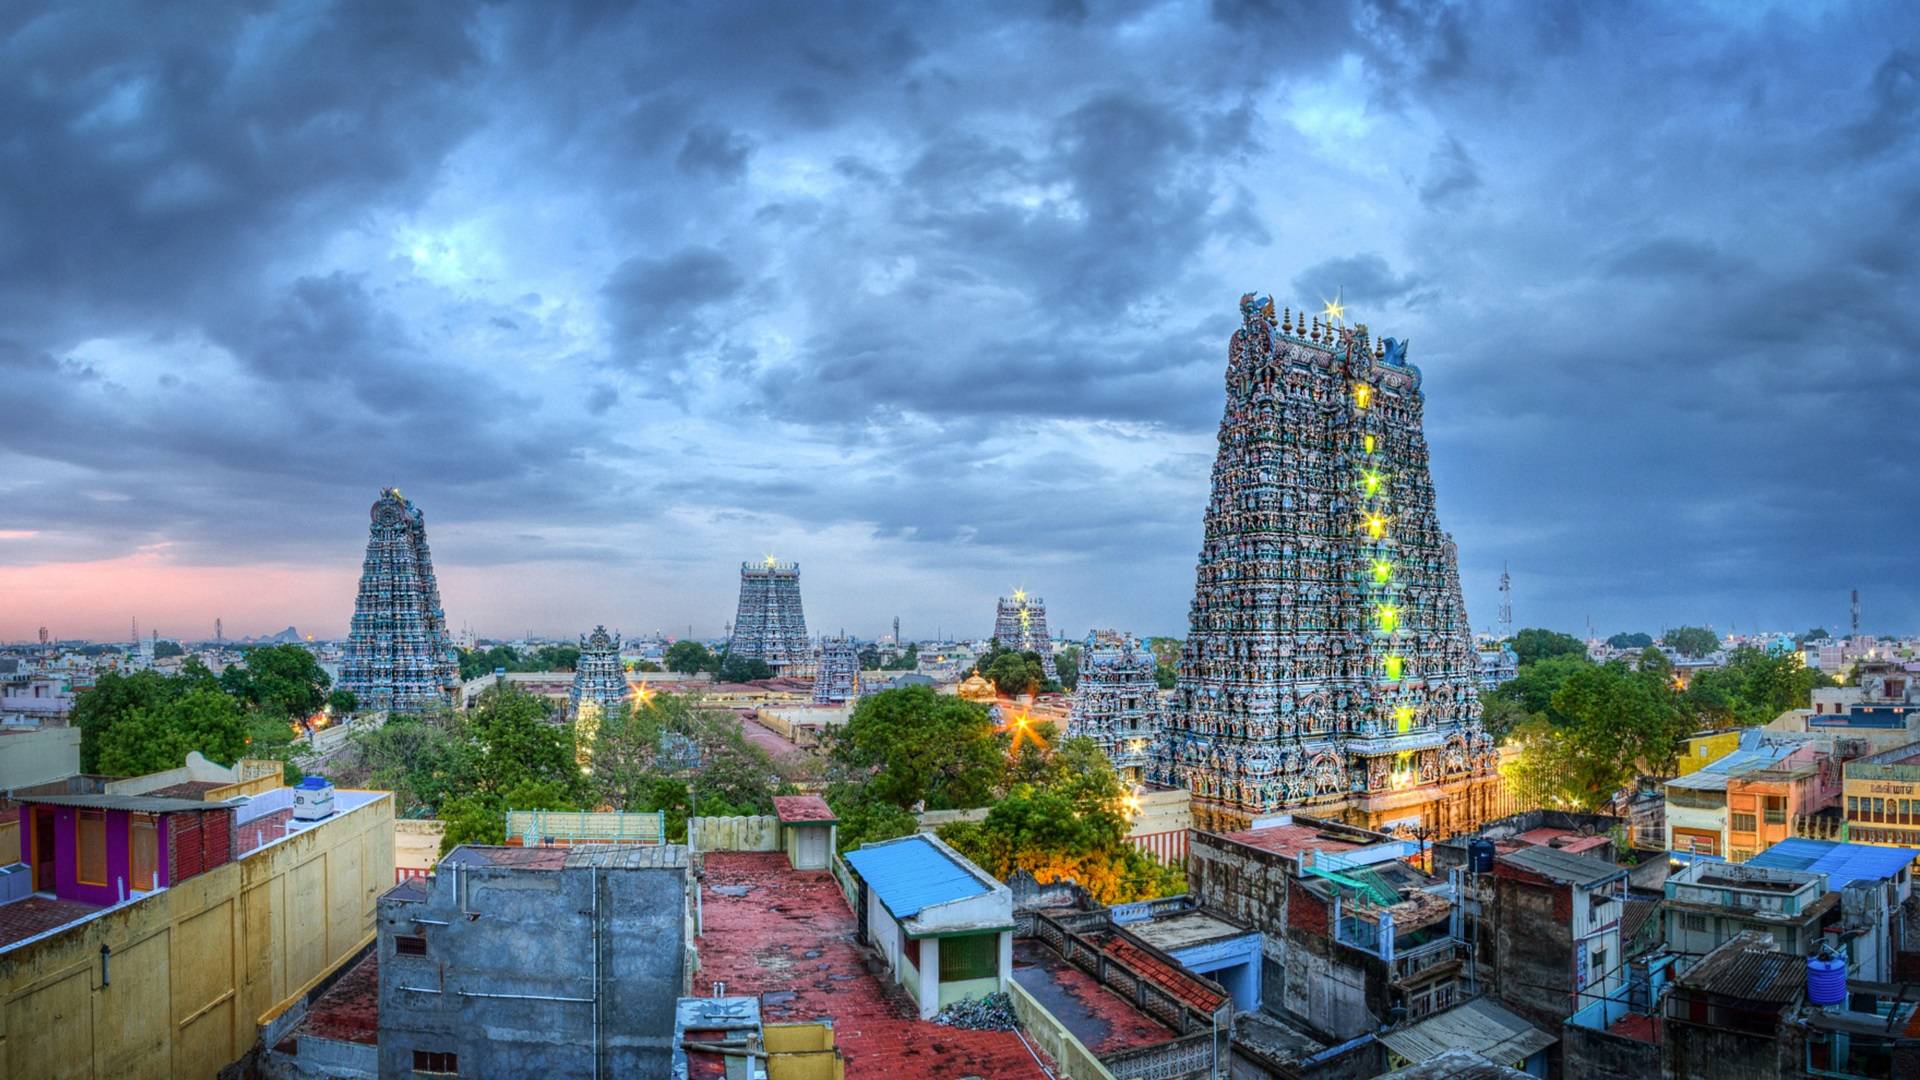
x,y
111,699
740,669
1535,644
424,764
1535,684
1165,676
1013,674
557,657
1625,641
688,657
1067,662
910,746
284,680
1752,688
343,703
515,744
472,819
157,737
164,649
1070,823
1816,634
1612,723
1502,715
1165,650
647,666
1692,641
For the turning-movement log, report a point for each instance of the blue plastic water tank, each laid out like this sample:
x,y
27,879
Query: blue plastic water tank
x,y
1480,856
1826,980
313,781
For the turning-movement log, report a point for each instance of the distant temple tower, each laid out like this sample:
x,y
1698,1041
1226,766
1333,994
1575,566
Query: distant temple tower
x,y
836,678
770,625
1020,624
1117,702
1328,666
599,679
398,656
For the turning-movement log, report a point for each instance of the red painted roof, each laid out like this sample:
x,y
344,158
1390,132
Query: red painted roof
x,y
796,808
1100,1018
790,939
350,1009
1171,979
1289,840
23,919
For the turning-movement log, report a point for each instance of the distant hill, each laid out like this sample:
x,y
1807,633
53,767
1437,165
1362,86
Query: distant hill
x,y
281,638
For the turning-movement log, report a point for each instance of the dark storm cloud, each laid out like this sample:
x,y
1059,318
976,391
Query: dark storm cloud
x,y
961,278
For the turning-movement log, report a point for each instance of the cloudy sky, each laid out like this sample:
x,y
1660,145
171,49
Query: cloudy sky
x,y
936,301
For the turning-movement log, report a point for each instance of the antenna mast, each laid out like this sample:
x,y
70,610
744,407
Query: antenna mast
x,y
1506,603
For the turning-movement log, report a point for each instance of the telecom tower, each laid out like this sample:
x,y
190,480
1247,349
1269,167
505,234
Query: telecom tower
x,y
219,632
1856,613
1506,604
896,629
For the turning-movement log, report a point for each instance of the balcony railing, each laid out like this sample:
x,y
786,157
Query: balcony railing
x,y
1411,964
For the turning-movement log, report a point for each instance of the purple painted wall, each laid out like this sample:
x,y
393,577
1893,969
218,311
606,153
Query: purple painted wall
x,y
66,857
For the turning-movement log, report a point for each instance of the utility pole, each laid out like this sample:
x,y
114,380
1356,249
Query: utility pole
x,y
1856,613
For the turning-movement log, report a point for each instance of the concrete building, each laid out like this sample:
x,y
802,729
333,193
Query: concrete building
x,y
1555,920
1724,1017
548,961
1882,797
31,756
1696,811
944,925
166,933
1481,1027
1768,805
1710,903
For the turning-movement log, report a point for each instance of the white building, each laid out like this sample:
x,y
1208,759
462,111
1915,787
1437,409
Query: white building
x,y
944,925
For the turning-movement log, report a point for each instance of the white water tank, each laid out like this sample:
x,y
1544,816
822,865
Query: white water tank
x,y
313,799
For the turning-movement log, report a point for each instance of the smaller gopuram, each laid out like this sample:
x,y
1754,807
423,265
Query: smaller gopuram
x,y
599,679
1117,701
1020,624
836,678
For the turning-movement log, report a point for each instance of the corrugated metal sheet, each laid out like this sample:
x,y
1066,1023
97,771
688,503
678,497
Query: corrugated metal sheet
x,y
1480,1025
911,874
1842,863
144,804
1562,866
1748,967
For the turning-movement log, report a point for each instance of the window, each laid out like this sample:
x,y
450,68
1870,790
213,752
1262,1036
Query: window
x,y
1776,810
911,950
1599,966
429,1061
976,956
1694,923
1743,823
92,841
1853,805
409,945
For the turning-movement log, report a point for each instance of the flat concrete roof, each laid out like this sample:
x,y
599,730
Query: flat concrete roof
x,y
1174,932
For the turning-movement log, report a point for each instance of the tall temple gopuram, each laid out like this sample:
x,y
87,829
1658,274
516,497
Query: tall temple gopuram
x,y
769,624
1116,702
836,672
398,656
1328,667
1020,624
599,678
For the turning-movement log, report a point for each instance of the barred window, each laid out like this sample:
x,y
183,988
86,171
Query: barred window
x,y
976,956
1743,823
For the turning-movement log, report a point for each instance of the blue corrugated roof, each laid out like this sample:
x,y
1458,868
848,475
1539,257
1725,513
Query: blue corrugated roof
x,y
1843,864
911,874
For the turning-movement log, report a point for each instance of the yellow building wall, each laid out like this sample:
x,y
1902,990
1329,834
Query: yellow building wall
x,y
1703,750
196,968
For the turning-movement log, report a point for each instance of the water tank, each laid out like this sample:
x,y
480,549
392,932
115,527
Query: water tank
x,y
1826,979
1480,856
313,799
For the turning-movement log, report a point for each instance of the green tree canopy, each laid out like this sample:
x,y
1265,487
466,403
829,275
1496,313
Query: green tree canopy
x,y
515,743
343,702
740,669
1752,688
1066,661
111,699
1536,683
1692,641
284,680
911,745
1535,644
165,649
688,657
1612,722
157,737
1630,641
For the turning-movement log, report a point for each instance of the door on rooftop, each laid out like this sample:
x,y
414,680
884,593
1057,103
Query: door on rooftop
x,y
144,833
42,850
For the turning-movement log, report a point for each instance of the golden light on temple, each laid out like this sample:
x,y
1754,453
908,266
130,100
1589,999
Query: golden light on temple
x,y
1022,726
771,561
1403,718
1362,395
1389,617
1376,526
1333,310
1382,571
643,694
1019,595
1370,480
1368,443
1395,665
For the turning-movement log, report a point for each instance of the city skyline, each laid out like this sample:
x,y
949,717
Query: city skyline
x,y
933,305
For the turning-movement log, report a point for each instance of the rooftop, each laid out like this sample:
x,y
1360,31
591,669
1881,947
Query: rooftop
x,y
788,936
802,808
1482,1025
1294,840
1455,1065
1562,866
1748,967
1102,1020
143,804
1843,863
36,915
349,1010
1561,840
568,856
914,873
1171,933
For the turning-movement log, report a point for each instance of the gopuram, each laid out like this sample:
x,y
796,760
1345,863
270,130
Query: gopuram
x,y
769,625
599,679
836,671
1020,624
1328,667
399,657
1116,703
